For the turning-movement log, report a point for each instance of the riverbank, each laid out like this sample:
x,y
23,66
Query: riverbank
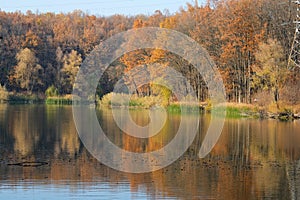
x,y
59,100
36,98
278,111
22,99
240,110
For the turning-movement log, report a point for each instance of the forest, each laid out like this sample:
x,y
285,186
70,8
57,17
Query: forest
x,y
249,41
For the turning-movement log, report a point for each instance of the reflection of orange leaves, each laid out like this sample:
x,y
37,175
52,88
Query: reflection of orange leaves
x,y
220,149
25,134
69,139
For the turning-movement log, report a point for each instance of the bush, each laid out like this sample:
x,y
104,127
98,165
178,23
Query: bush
x,y
130,100
51,91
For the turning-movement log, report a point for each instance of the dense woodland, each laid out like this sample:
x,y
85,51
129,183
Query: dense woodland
x,y
249,40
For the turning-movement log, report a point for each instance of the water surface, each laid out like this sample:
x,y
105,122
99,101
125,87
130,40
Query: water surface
x,y
253,159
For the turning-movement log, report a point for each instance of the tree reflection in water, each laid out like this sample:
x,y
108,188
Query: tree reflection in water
x,y
252,159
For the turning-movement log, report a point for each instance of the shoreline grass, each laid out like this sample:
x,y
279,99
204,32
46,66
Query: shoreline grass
x,y
59,100
279,111
233,110
24,99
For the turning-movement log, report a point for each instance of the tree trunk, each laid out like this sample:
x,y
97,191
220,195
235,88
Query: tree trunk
x,y
276,95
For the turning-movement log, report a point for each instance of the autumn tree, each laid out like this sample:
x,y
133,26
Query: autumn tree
x,y
278,17
28,73
272,71
71,64
229,29
31,40
241,32
59,62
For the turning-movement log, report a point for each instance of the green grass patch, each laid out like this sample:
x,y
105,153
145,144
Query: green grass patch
x,y
237,110
60,100
233,112
184,108
174,108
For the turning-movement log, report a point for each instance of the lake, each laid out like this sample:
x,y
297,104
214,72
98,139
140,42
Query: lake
x,y
42,157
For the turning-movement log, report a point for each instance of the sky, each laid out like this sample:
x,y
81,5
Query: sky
x,y
97,7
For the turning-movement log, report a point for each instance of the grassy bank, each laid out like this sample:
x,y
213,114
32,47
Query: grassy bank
x,y
234,110
23,99
279,111
176,107
125,100
59,100
145,102
19,98
26,98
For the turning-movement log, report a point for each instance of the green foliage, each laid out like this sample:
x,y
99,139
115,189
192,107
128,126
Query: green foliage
x,y
159,88
234,110
62,100
184,108
51,91
208,106
174,108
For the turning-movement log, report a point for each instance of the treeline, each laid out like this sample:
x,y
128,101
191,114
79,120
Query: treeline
x,y
249,40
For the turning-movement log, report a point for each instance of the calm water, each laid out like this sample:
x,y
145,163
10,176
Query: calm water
x,y
41,157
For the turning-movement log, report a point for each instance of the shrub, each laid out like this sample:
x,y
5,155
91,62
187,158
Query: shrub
x,y
132,100
51,91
